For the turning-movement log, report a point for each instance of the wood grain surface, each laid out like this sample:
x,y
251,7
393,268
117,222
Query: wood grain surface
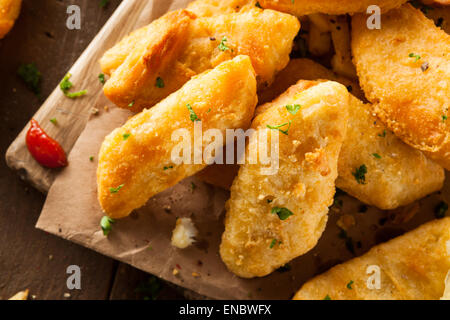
x,y
72,114
30,258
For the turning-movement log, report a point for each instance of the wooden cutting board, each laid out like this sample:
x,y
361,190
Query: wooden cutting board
x,y
72,115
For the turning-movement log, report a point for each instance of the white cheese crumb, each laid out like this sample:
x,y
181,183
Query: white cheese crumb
x,y
184,233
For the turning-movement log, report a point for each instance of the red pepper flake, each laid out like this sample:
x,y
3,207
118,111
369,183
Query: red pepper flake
x,y
44,149
178,266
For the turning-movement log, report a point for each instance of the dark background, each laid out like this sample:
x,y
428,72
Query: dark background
x,y
30,258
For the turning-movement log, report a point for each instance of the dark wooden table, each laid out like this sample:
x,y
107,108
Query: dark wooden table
x,y
30,258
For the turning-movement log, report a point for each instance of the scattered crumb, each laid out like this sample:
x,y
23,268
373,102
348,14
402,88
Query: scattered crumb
x,y
94,111
106,108
195,274
346,221
167,208
175,272
67,295
22,295
14,90
50,257
184,233
33,296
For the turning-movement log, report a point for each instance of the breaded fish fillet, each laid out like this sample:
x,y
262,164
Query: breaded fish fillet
x,y
135,161
412,267
404,69
272,219
306,7
397,174
174,48
209,8
9,11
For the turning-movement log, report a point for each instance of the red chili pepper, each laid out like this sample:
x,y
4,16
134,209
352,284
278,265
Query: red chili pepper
x,y
44,149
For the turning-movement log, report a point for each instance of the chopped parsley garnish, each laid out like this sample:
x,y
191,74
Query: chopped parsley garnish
x,y
91,158
66,85
193,115
349,285
159,82
360,174
101,78
293,109
441,210
193,186
104,3
126,136
415,56
327,297
444,117
286,132
283,213
376,155
269,200
31,76
258,5
106,224
222,45
348,241
115,190
54,121
273,243
168,167
383,135
131,104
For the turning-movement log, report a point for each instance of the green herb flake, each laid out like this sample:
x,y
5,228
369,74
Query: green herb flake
x,y
115,190
327,297
126,136
286,132
283,213
444,118
91,158
383,135
293,109
106,224
222,45
193,115
54,121
273,243
441,210
31,76
376,155
101,78
415,56
131,104
103,3
159,83
360,174
168,167
193,186
66,85
349,285
258,5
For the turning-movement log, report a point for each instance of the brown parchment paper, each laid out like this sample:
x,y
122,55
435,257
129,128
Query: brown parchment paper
x,y
143,240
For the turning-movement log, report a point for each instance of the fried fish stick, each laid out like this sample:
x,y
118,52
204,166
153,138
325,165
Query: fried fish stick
x,y
135,161
209,8
179,45
411,267
378,168
337,7
272,219
9,11
404,69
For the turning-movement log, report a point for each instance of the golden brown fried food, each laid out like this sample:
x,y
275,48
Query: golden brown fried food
x,y
305,7
272,219
305,69
378,168
412,267
9,11
135,161
404,69
209,8
179,45
441,2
